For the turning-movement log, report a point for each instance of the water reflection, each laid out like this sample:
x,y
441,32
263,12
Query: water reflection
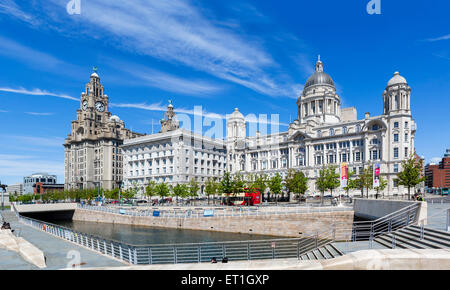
x,y
139,235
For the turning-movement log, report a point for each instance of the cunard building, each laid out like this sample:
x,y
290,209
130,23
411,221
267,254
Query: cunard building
x,y
325,134
92,150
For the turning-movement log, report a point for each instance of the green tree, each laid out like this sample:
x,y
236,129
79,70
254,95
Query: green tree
x,y
322,182
211,187
381,187
180,190
238,183
296,182
410,176
162,189
193,188
226,184
332,179
150,189
351,183
365,181
275,184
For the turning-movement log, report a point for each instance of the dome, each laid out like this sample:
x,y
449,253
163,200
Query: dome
x,y
319,77
396,79
114,118
236,114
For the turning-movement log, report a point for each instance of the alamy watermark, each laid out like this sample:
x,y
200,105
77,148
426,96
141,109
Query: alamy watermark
x,y
374,7
73,7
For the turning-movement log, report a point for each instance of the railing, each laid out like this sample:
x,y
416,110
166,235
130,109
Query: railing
x,y
188,253
214,212
368,230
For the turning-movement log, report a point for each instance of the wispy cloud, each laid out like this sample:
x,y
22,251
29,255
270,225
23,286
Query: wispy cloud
x,y
36,59
155,78
39,114
37,92
35,141
11,8
3,111
177,32
444,37
18,166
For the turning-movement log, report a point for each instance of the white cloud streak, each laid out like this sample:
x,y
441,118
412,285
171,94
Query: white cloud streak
x,y
177,32
37,92
444,37
38,114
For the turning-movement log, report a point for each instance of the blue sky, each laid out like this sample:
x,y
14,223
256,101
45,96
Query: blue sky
x,y
255,55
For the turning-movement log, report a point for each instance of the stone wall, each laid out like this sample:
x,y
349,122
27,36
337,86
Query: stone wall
x,y
291,225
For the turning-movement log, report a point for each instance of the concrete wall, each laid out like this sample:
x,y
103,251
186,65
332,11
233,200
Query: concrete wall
x,y
21,208
375,208
292,225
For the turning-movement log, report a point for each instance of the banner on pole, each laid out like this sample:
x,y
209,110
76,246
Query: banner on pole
x,y
376,175
343,175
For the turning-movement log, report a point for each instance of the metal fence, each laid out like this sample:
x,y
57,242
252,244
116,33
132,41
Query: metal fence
x,y
368,230
215,212
187,253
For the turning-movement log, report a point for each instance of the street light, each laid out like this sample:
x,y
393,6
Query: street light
x,y
3,186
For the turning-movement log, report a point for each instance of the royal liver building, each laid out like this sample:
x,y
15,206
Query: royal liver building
x,y
326,134
92,154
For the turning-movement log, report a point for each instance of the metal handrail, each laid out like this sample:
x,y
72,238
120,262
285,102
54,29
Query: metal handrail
x,y
400,218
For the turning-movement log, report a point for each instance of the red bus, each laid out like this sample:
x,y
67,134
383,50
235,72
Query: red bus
x,y
250,196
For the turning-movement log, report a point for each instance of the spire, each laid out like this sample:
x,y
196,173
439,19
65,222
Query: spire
x,y
319,65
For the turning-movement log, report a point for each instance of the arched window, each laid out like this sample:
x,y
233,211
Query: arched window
x,y
344,130
319,133
331,132
358,128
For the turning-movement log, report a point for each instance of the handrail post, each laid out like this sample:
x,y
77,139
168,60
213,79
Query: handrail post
x,y
422,231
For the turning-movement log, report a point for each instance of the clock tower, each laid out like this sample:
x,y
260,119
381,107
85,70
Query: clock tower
x,y
92,154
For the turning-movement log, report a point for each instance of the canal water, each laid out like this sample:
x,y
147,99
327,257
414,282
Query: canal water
x,y
140,235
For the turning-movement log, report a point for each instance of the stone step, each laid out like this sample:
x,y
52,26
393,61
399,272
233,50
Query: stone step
x,y
403,242
433,232
426,243
428,237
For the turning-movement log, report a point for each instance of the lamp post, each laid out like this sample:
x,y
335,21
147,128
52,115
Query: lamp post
x,y
3,187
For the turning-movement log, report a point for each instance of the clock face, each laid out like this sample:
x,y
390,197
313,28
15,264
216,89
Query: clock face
x,y
100,106
85,104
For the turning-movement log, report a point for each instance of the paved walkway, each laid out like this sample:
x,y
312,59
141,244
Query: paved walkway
x,y
55,249
437,214
13,261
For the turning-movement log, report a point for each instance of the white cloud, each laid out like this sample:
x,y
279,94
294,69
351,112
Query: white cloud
x,y
165,81
11,8
177,32
21,165
37,92
444,37
436,160
38,114
35,141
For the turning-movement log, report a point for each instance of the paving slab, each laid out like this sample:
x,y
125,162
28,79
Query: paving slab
x,y
59,253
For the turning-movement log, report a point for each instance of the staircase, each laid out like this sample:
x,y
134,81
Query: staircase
x,y
411,237
328,251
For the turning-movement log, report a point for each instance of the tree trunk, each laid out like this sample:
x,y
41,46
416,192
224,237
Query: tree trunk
x,y
409,194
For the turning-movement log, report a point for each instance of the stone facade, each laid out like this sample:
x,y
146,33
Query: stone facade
x,y
324,134
92,150
173,156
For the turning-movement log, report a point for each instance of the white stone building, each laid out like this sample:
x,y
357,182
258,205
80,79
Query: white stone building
x,y
326,134
172,156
